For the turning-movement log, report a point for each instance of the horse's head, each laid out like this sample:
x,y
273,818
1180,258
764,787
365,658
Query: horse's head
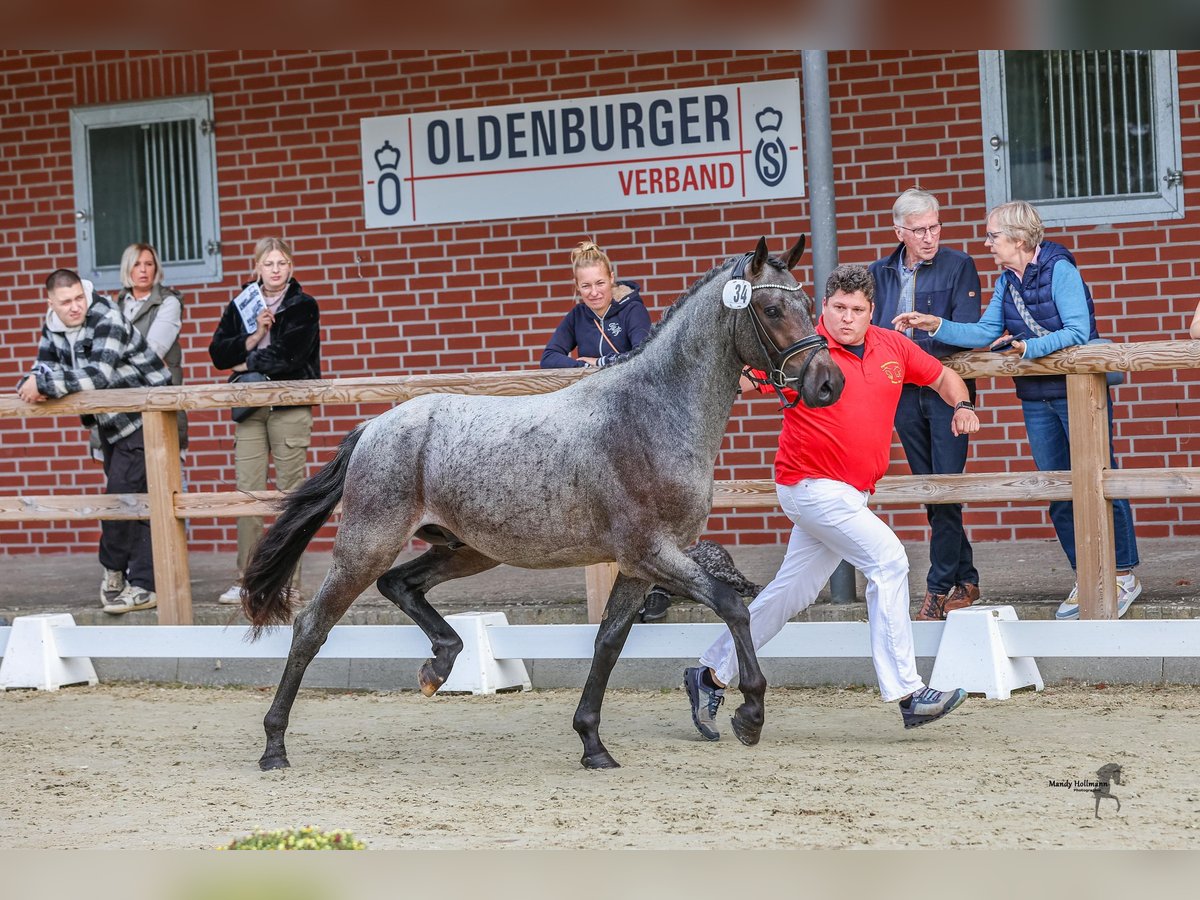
x,y
776,327
1110,773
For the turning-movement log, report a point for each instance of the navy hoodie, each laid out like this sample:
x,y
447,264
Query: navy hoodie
x,y
626,325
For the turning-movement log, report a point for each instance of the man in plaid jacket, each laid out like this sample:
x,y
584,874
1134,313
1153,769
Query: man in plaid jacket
x,y
88,345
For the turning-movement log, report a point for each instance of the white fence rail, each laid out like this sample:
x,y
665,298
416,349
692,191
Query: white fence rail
x,y
1145,638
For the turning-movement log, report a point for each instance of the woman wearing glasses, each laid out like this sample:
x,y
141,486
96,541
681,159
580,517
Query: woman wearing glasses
x,y
271,331
1041,304
608,317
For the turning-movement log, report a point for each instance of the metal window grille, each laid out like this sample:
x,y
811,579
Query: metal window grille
x,y
149,191
1081,123
145,172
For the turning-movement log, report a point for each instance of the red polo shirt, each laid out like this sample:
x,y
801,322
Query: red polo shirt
x,y
850,441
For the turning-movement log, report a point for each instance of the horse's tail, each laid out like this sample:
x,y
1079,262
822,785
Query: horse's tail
x,y
265,597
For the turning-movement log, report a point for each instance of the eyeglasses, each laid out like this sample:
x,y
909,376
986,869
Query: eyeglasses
x,y
919,233
992,236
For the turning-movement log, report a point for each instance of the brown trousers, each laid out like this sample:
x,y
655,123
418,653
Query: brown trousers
x,y
282,434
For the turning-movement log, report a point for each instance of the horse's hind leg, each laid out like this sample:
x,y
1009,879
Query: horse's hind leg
x,y
406,585
340,588
622,606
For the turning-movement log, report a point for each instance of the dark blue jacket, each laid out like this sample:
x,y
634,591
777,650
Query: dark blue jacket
x,y
1037,292
947,287
626,325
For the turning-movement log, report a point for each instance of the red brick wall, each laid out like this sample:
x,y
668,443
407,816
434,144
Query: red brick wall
x,y
486,295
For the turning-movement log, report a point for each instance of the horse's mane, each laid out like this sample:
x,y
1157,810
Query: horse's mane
x,y
679,303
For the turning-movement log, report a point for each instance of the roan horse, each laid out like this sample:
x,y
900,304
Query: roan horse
x,y
616,467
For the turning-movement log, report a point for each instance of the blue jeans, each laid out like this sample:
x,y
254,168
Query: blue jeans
x,y
1049,439
923,423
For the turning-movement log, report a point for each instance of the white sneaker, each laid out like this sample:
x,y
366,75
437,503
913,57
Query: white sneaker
x,y
1069,608
1128,590
111,586
232,595
131,599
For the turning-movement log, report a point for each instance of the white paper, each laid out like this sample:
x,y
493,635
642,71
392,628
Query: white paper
x,y
250,303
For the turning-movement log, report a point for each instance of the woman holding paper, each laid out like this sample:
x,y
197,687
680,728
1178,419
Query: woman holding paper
x,y
269,332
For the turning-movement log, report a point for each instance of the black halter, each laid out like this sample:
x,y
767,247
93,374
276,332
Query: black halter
x,y
777,358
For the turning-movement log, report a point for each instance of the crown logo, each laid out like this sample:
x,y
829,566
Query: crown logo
x,y
769,119
387,157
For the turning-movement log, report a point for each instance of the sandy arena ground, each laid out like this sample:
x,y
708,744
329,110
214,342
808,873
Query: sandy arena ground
x,y
142,766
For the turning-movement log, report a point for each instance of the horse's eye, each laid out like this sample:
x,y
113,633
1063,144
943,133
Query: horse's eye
x,y
773,311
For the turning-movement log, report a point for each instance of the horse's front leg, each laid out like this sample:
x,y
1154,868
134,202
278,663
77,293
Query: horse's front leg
x,y
747,720
619,613
685,577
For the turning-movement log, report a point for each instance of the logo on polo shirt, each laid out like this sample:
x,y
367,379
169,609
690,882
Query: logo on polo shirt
x,y
894,371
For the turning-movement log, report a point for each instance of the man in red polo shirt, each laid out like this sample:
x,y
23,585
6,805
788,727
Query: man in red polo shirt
x,y
828,462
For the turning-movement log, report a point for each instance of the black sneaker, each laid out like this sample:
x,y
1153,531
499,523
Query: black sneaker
x,y
705,702
928,705
657,603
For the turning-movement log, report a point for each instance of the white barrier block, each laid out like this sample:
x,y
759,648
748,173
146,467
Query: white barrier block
x,y
972,655
477,670
31,658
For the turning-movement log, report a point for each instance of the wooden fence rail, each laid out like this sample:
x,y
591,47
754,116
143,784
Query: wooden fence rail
x,y
1091,484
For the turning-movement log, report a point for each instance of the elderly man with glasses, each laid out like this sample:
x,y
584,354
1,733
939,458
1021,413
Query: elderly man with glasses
x,y
922,276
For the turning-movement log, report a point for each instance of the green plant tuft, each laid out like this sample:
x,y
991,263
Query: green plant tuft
x,y
305,838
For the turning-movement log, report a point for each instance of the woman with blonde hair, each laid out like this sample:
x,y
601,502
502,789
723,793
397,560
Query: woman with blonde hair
x,y
156,311
270,331
608,317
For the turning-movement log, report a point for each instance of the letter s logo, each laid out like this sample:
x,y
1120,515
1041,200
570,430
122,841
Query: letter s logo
x,y
770,156
770,161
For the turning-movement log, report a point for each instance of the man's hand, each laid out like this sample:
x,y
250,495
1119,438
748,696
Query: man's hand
x,y
964,422
28,391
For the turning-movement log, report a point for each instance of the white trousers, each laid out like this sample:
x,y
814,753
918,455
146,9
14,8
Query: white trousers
x,y
832,523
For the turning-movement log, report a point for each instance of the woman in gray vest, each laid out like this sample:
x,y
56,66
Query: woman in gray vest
x,y
155,310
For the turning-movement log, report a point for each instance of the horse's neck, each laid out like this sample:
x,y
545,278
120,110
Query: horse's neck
x,y
692,366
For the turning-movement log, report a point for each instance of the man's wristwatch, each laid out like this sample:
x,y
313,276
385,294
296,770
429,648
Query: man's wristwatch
x,y
964,404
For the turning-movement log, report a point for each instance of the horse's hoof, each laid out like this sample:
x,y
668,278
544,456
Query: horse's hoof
x,y
746,733
267,763
428,679
602,760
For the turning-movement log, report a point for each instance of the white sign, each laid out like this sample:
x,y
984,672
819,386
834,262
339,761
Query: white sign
x,y
719,144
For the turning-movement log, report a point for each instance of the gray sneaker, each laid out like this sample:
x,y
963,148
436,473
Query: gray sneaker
x,y
705,702
111,586
928,705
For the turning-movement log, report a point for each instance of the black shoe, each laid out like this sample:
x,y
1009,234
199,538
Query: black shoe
x,y
657,603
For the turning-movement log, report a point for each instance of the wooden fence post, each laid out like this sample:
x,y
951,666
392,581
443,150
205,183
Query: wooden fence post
x,y
1095,547
164,479
599,580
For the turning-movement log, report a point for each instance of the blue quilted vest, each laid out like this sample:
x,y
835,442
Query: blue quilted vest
x,y
1036,292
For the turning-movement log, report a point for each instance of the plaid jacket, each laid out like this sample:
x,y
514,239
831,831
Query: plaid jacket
x,y
109,353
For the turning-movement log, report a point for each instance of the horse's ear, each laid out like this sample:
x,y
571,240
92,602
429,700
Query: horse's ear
x,y
795,253
760,258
